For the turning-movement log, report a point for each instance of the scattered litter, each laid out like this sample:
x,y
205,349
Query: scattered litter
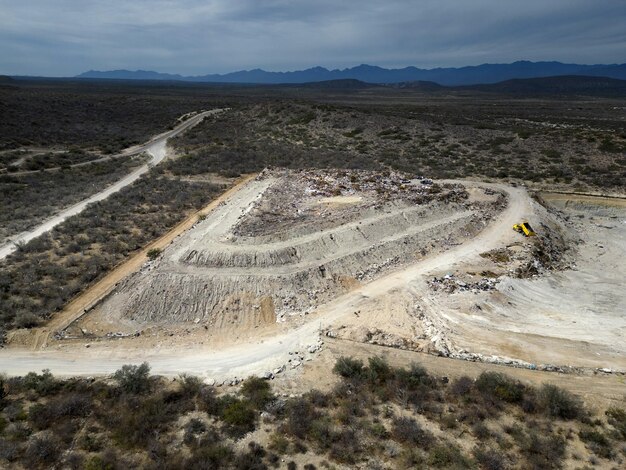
x,y
450,284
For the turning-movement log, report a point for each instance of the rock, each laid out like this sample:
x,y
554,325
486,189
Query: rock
x,y
210,382
267,375
295,364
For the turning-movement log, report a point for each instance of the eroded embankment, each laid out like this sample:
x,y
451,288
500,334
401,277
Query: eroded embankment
x,y
192,293
559,298
210,275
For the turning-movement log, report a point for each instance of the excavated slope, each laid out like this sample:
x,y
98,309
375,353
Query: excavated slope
x,y
208,272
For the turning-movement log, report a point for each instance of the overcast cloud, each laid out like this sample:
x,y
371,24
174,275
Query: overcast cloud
x,y
192,37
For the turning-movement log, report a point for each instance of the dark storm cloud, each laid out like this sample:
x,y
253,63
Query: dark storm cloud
x,y
65,37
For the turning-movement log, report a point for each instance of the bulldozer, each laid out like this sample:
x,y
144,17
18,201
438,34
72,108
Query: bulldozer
x,y
524,228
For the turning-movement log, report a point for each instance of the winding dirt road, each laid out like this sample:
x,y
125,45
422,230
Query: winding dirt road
x,y
264,353
155,147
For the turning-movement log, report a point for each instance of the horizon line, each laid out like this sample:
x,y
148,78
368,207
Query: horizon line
x,y
308,68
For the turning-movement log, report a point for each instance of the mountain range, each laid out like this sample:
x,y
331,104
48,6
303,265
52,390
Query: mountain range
x,y
470,75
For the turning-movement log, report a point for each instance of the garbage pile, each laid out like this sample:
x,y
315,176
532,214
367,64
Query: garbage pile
x,y
450,284
306,201
328,183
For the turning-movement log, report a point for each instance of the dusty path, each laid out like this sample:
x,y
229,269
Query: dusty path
x,y
262,353
77,307
134,150
155,147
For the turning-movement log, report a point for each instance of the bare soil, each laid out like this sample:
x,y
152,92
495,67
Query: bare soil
x,y
446,276
240,269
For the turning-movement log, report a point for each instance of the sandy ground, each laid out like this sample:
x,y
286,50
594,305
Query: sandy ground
x,y
39,337
156,147
596,389
572,317
214,278
525,320
254,351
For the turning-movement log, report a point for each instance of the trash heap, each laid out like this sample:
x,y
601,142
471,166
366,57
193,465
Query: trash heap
x,y
451,284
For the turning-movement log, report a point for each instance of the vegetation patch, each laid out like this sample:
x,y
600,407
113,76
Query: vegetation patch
x,y
376,416
44,274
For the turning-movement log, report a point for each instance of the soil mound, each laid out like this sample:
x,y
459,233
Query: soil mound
x,y
289,241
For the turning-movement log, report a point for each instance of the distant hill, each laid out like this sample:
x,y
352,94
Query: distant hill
x,y
130,75
344,84
566,85
6,82
471,75
419,85
561,85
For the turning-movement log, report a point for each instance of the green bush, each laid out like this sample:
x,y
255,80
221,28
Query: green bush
x,y
408,430
489,459
349,368
153,253
378,371
609,145
97,463
190,386
253,459
278,443
597,442
500,386
299,416
212,455
239,417
43,450
322,433
415,377
257,391
544,450
141,419
617,418
208,400
134,379
448,456
42,384
559,403
62,408
462,386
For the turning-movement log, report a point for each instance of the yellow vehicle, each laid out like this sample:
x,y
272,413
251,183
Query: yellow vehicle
x,y
524,228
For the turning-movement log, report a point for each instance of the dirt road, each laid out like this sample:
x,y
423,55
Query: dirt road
x,y
261,354
155,147
95,293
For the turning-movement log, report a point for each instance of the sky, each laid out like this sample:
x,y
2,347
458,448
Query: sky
x,y
196,37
